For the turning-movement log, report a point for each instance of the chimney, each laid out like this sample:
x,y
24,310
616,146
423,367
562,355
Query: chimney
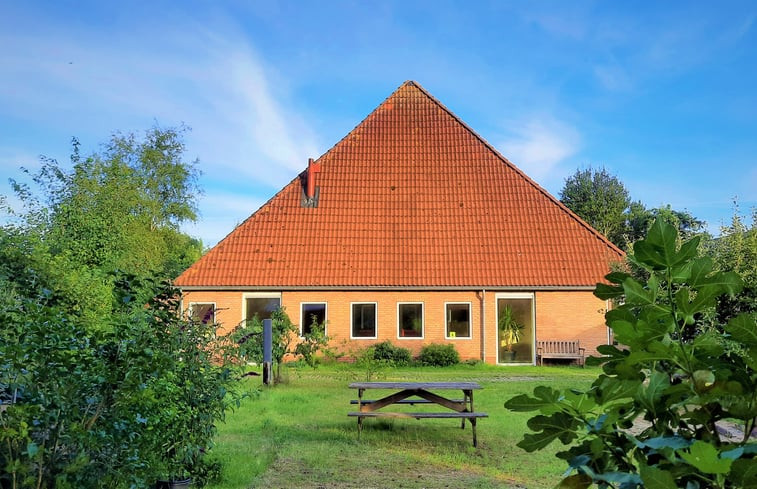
x,y
310,199
313,168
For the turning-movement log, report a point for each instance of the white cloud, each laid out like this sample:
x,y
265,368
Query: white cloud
x,y
538,145
209,77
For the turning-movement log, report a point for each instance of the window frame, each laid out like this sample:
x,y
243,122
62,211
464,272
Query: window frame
x,y
423,320
205,303
470,321
375,321
257,295
325,317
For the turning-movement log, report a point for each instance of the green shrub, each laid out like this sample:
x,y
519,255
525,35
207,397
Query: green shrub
x,y
120,406
366,360
438,355
679,370
396,355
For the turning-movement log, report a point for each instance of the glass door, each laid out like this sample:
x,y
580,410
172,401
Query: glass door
x,y
515,329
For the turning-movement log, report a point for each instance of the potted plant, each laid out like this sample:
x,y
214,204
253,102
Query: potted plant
x,y
509,332
174,465
174,484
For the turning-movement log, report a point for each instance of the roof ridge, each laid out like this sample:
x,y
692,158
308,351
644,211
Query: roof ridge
x,y
533,183
351,131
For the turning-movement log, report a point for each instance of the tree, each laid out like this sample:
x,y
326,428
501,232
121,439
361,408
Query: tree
x,y
249,336
736,249
118,406
600,199
679,371
639,219
119,209
103,381
687,225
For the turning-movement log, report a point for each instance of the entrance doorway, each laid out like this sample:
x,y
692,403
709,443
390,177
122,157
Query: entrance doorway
x,y
515,328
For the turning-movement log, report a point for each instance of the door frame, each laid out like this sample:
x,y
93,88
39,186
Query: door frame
x,y
516,295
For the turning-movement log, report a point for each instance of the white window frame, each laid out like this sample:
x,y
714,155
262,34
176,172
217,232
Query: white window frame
x,y
215,308
423,321
256,295
325,317
470,321
375,326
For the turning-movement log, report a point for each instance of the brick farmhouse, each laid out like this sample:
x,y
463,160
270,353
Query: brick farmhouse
x,y
412,229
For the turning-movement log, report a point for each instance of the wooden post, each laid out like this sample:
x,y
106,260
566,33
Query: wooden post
x,y
267,352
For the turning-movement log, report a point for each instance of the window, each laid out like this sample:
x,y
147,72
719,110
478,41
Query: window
x,y
410,320
364,320
458,320
204,313
309,313
261,306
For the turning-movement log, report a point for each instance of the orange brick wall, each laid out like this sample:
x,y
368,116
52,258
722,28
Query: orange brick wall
x,y
559,315
572,316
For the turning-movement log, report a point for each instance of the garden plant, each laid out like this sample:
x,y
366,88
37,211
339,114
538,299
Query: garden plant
x,y
125,405
656,416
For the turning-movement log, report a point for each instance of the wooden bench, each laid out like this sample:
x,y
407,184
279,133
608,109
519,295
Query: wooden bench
x,y
411,393
403,401
560,349
385,414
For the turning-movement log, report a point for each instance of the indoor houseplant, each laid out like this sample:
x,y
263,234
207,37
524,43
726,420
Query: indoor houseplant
x,y
509,332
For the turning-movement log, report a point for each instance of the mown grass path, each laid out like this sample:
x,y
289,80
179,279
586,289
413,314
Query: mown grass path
x,y
298,435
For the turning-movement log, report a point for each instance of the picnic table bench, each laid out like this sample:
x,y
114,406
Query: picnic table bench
x,y
559,349
417,393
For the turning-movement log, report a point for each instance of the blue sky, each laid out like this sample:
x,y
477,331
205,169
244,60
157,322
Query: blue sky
x,y
662,94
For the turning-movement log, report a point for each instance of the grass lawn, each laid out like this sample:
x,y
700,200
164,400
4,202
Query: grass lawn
x,y
298,434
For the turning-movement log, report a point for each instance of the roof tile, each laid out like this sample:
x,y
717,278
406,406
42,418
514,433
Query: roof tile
x,y
410,197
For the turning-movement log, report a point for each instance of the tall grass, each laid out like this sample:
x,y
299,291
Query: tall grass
x,y
297,434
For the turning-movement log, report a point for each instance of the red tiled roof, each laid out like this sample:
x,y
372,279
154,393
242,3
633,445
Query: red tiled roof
x,y
411,197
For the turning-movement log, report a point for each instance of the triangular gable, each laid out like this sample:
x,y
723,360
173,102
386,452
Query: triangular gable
x,y
411,197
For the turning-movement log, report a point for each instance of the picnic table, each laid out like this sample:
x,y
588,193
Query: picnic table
x,y
411,393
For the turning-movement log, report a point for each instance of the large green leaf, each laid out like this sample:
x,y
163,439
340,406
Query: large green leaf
x,y
604,291
617,277
661,442
559,425
649,394
744,473
685,309
722,283
575,481
609,389
636,293
647,255
701,268
710,343
704,457
654,478
625,332
687,251
543,397
681,273
663,237
743,328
